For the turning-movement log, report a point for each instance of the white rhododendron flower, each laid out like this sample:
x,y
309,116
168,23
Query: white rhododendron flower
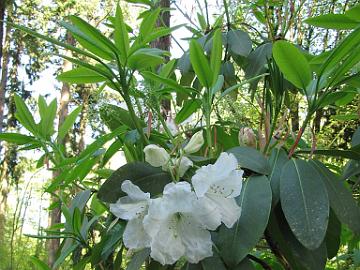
x,y
156,156
175,227
182,164
195,143
217,186
133,208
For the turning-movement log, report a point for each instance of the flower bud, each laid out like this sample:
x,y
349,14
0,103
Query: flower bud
x,y
247,137
155,155
185,164
195,143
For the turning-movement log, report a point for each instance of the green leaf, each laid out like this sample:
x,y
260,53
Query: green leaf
x,y
277,160
16,138
255,203
245,264
24,116
148,23
189,107
305,202
47,115
239,42
39,265
352,168
138,259
121,35
333,234
292,63
166,81
251,159
346,46
354,13
351,153
200,64
146,58
88,43
333,21
202,21
341,199
148,178
299,257
68,123
216,55
115,117
80,75
355,140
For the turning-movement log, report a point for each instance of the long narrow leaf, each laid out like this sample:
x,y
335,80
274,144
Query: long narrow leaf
x,y
68,123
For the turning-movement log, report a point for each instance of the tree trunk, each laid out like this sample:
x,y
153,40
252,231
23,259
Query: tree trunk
x,y
55,214
2,17
4,184
4,67
85,94
163,43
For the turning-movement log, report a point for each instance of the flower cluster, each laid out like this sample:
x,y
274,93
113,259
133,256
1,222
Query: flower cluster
x,y
177,224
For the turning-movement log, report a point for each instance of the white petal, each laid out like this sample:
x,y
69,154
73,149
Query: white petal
x,y
156,156
185,164
167,246
219,178
134,191
197,241
228,187
228,208
126,208
207,213
135,236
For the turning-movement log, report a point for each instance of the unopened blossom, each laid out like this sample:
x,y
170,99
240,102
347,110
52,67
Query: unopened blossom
x,y
156,156
247,137
177,225
195,143
133,208
217,186
178,165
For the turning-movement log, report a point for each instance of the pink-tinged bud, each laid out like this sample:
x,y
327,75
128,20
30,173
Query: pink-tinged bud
x,y
247,137
156,156
195,143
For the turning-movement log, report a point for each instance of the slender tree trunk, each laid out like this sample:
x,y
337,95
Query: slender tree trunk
x,y
2,17
4,184
55,214
4,67
163,43
85,94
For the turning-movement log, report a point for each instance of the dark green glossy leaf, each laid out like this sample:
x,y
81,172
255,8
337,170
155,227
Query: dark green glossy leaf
x,y
47,115
148,178
239,42
145,58
277,160
332,238
341,199
292,63
255,203
352,168
352,153
251,159
245,264
299,257
356,137
305,202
